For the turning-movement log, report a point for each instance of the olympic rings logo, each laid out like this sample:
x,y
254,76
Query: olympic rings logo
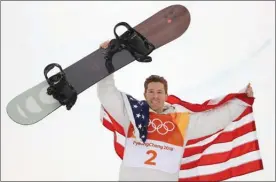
x,y
156,124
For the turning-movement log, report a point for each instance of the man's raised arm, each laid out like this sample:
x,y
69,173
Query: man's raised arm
x,y
111,98
208,122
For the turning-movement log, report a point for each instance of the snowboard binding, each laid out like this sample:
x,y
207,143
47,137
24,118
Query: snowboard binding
x,y
59,87
132,41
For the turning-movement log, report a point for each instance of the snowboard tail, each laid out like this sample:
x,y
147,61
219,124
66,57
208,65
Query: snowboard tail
x,y
158,30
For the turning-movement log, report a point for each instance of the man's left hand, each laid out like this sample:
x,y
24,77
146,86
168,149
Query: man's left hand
x,y
249,90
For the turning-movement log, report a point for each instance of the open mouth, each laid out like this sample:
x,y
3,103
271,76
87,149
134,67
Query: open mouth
x,y
154,102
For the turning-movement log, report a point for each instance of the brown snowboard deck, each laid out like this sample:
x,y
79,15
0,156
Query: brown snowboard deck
x,y
161,28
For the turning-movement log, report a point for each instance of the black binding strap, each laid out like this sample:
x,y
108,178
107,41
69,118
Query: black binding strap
x,y
131,40
59,87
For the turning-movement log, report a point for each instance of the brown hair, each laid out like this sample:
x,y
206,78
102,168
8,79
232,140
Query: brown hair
x,y
156,78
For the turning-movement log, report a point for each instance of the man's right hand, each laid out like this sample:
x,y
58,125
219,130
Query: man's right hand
x,y
105,44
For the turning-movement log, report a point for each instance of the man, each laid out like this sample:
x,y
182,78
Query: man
x,y
169,128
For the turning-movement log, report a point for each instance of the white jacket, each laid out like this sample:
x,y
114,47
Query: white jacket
x,y
111,99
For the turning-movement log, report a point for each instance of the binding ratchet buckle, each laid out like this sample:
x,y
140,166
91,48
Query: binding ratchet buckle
x,y
59,87
132,41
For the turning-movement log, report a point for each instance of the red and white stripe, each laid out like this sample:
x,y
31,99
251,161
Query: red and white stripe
x,y
228,153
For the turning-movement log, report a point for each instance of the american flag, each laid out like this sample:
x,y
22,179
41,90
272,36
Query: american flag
x,y
140,111
230,152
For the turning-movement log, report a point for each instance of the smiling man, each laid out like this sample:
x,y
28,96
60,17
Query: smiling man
x,y
156,92
156,131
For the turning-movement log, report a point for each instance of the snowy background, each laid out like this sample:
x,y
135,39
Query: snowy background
x,y
227,45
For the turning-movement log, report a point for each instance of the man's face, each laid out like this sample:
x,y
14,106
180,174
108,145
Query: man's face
x,y
156,96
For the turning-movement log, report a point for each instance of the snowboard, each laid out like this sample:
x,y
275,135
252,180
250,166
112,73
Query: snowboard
x,y
136,43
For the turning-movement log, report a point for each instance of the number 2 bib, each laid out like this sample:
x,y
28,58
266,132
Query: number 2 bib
x,y
163,149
